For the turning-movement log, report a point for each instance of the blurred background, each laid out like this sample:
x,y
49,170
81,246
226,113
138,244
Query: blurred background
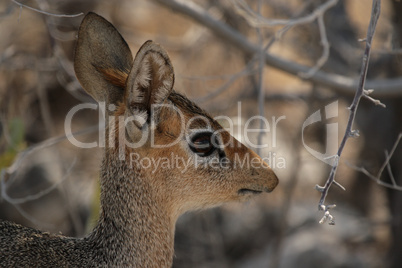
x,y
52,185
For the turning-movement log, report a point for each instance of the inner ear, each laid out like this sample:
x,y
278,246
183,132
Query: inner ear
x,y
151,79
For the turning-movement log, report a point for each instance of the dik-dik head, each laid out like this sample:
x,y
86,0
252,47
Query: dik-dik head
x,y
175,145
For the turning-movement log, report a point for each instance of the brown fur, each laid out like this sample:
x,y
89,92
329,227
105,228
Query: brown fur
x,y
140,205
115,77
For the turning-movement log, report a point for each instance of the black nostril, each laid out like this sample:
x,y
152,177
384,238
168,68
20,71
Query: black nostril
x,y
254,172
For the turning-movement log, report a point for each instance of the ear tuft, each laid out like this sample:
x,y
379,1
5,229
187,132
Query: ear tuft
x,y
151,79
144,74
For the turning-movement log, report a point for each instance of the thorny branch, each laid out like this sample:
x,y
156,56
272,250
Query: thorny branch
x,y
360,92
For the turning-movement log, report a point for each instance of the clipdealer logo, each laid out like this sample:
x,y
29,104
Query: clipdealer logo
x,y
331,144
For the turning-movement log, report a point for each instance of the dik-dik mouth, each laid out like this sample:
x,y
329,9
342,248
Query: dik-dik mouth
x,y
245,191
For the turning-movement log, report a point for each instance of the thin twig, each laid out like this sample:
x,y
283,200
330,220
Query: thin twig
x,y
7,175
44,144
44,105
246,71
325,49
33,219
298,97
388,156
366,94
256,20
341,84
375,14
377,178
391,175
391,185
19,201
46,13
261,92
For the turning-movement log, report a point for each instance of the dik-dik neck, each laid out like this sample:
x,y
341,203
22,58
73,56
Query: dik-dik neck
x,y
135,224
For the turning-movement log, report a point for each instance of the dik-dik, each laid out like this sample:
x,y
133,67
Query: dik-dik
x,y
140,204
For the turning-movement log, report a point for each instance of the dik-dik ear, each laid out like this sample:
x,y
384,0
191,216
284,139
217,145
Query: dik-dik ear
x,y
150,81
102,59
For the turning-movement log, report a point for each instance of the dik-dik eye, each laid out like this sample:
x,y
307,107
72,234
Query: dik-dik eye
x,y
203,144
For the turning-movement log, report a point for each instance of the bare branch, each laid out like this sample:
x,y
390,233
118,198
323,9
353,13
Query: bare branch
x,y
325,52
297,97
19,201
375,14
32,219
391,175
246,71
7,175
256,20
366,94
377,178
390,155
261,92
341,84
46,13
44,144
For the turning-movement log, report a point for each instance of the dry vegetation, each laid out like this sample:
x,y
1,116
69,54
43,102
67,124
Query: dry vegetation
x,y
38,88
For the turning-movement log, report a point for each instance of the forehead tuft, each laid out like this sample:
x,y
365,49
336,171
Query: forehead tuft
x,y
191,109
186,105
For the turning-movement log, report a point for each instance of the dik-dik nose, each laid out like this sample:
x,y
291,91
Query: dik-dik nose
x,y
261,171
272,179
259,177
